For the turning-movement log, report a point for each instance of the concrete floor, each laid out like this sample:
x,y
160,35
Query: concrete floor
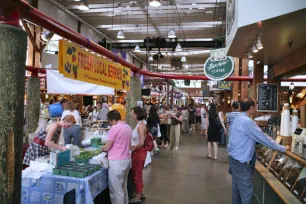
x,y
187,176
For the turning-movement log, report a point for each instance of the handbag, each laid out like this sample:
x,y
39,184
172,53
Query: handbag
x,y
218,122
148,145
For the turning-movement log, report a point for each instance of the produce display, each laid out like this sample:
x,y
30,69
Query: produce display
x,y
72,169
85,155
95,142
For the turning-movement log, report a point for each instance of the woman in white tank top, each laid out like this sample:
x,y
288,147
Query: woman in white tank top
x,y
138,151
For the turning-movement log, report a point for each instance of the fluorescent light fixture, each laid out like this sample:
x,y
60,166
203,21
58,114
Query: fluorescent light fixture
x,y
171,34
183,59
151,59
201,8
209,11
250,55
137,48
155,3
178,47
193,4
83,6
254,49
259,44
190,8
120,34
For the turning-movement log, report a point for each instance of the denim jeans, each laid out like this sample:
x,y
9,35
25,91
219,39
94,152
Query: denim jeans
x,y
74,133
242,180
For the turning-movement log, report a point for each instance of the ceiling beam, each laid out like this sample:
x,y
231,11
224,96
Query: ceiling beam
x,y
294,63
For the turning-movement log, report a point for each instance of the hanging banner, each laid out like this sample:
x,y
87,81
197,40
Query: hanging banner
x,y
219,70
79,64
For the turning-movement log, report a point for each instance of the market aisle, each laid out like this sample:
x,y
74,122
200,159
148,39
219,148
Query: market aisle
x,y
187,176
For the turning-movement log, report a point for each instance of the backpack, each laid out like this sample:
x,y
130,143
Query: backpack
x,y
148,144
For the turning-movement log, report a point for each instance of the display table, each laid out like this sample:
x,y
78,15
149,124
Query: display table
x,y
51,188
268,189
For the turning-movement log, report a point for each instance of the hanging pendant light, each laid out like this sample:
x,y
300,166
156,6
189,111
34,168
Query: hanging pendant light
x,y
254,49
250,55
120,34
171,34
83,6
137,48
183,59
151,59
259,44
291,87
178,47
46,36
155,3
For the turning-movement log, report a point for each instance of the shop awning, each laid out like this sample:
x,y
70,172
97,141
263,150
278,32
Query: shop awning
x,y
57,84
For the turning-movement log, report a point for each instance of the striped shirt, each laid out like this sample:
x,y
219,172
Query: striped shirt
x,y
230,117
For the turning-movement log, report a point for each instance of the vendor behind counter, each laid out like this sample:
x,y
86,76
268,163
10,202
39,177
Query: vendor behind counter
x,y
47,137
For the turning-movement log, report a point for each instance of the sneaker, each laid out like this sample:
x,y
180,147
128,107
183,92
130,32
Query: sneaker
x,y
143,196
134,200
166,146
176,148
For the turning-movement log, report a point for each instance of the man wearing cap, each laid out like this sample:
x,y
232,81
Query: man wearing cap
x,y
241,148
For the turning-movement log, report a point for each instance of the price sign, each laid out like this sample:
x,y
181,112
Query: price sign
x,y
267,97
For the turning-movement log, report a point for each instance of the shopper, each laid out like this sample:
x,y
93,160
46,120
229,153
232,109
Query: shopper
x,y
63,103
165,126
198,117
138,151
104,104
74,132
46,138
204,121
244,134
230,117
185,120
118,146
213,132
153,125
223,133
192,118
175,132
99,106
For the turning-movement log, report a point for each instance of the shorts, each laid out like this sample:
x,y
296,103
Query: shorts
x,y
192,121
198,119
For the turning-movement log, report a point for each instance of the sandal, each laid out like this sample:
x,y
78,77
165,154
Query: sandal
x,y
134,200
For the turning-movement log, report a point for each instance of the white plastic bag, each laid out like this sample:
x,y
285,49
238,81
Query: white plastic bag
x,y
158,131
100,159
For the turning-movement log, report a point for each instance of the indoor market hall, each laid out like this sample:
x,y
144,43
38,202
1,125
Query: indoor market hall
x,y
152,102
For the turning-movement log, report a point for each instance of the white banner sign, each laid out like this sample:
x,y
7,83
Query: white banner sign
x,y
57,84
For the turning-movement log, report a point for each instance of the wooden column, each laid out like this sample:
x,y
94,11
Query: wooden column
x,y
235,89
132,97
244,86
13,46
258,77
227,106
222,101
35,48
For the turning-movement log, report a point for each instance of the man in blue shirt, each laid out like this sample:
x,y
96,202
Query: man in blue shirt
x,y
244,134
230,117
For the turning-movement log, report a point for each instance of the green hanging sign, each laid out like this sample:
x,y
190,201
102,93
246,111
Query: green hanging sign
x,y
219,70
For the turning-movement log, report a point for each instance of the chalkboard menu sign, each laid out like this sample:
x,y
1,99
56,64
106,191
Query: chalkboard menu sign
x,y
267,97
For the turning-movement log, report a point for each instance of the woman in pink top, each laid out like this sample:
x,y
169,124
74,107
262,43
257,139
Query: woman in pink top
x,y
118,146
